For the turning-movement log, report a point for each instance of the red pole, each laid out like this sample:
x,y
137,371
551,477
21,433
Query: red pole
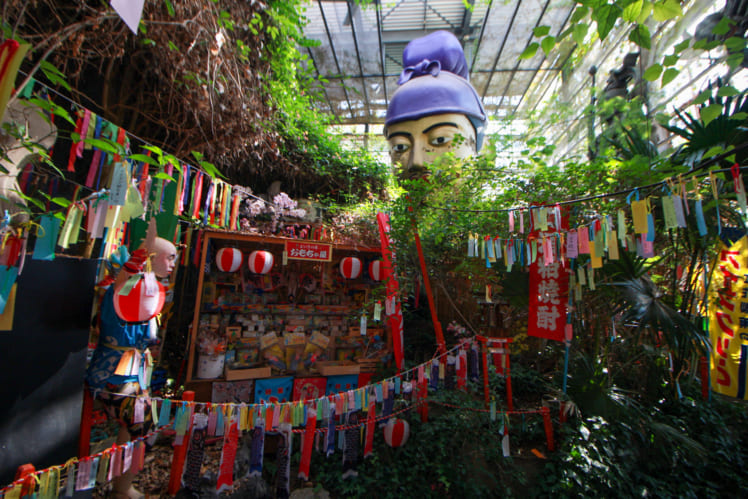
x,y
26,471
704,371
508,374
84,438
427,285
484,356
561,412
424,388
180,452
548,427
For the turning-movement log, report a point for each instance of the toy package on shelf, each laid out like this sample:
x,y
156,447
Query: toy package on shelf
x,y
315,349
247,352
273,351
295,343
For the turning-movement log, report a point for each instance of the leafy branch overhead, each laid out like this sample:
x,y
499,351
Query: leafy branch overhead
x,y
220,78
595,20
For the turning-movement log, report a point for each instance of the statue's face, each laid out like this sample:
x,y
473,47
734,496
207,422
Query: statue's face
x,y
417,143
165,259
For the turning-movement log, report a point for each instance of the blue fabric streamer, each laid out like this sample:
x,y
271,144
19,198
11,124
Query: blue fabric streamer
x,y
330,441
650,227
8,277
46,243
700,223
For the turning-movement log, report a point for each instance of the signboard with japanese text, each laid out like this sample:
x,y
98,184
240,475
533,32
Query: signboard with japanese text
x,y
728,320
549,290
315,252
549,279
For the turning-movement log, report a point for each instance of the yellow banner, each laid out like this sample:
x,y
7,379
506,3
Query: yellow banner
x,y
728,320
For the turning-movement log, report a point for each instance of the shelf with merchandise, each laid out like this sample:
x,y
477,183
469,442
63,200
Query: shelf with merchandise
x,y
284,322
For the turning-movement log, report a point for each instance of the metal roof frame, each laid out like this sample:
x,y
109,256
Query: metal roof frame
x,y
348,32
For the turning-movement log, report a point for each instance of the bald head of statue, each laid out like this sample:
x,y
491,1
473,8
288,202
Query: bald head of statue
x,y
164,257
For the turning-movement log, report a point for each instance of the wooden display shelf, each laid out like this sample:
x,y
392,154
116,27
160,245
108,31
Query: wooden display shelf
x,y
368,365
248,373
337,367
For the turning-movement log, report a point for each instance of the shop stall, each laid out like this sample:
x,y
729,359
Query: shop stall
x,y
283,308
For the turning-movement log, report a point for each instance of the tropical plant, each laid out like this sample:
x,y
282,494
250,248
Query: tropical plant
x,y
721,128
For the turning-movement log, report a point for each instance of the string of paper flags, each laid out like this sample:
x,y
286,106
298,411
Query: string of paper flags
x,y
84,473
136,184
228,420
544,236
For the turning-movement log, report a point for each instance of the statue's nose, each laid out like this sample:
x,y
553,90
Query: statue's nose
x,y
417,156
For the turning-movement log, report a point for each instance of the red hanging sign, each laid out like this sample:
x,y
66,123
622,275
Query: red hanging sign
x,y
549,286
315,252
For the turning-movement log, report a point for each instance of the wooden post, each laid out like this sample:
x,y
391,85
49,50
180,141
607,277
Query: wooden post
x,y
180,452
548,427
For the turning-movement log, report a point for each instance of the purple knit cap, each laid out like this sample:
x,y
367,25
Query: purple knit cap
x,y
435,81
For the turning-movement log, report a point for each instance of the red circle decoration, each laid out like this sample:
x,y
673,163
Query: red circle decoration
x,y
228,259
375,270
136,306
350,267
260,262
396,432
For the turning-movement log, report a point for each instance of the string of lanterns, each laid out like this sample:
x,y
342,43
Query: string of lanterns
x,y
229,259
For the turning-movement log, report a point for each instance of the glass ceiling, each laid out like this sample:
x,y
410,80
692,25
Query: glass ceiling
x,y
360,51
359,59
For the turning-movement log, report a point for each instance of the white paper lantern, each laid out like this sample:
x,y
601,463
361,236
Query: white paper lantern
x,y
228,259
350,267
144,301
396,432
260,262
375,270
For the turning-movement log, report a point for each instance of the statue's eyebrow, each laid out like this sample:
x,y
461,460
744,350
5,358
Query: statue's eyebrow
x,y
437,125
400,134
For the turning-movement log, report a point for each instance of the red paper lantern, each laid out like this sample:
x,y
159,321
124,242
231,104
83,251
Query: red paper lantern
x,y
350,267
375,270
396,432
228,259
260,262
137,306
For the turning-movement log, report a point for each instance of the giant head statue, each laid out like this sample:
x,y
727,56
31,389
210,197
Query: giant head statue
x,y
435,109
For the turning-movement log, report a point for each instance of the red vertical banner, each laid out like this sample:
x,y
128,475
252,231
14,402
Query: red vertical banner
x,y
549,290
392,307
370,429
549,284
306,443
228,455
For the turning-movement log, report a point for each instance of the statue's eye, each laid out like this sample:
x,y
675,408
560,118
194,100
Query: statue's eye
x,y
441,140
399,148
